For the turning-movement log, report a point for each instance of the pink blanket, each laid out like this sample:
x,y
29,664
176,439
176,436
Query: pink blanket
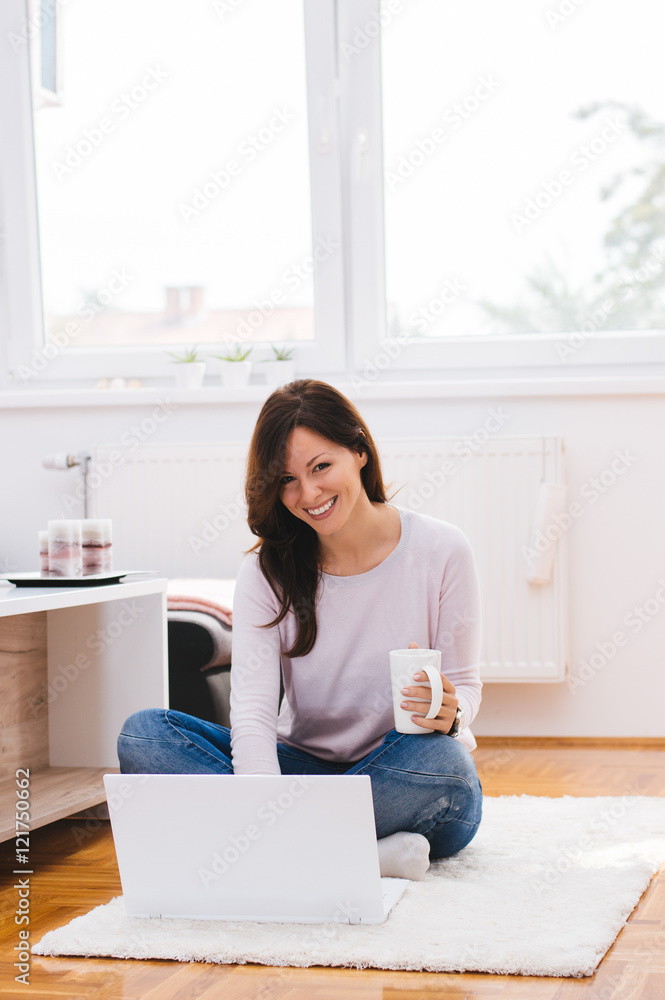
x,y
214,597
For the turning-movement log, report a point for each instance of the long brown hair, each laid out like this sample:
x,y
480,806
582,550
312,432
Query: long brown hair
x,y
288,549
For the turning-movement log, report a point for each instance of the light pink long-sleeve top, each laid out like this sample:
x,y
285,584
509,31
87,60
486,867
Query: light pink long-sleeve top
x,y
338,699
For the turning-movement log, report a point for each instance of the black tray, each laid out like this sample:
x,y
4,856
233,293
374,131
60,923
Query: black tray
x,y
92,580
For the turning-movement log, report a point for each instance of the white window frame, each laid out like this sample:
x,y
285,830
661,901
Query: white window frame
x,y
20,292
637,352
346,159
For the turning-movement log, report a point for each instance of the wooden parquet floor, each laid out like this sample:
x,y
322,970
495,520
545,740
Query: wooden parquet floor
x,y
75,869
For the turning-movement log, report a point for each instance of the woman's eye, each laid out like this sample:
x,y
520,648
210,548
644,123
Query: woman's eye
x,y
285,480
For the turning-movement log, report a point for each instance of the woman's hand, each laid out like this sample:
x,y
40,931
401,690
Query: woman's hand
x,y
446,714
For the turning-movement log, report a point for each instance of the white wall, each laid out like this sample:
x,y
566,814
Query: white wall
x,y
616,546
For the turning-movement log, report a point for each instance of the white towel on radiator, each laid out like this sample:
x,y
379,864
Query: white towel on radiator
x,y
550,504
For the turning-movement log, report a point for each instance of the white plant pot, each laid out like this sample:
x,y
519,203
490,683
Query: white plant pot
x,y
279,372
189,374
235,373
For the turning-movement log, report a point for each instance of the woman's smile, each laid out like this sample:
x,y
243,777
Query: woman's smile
x,y
319,512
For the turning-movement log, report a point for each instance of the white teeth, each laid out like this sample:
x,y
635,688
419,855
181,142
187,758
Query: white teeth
x,y
321,510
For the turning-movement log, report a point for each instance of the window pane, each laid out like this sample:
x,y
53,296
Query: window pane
x,y
524,167
48,43
173,179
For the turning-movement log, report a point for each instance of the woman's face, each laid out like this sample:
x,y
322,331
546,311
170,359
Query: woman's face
x,y
321,481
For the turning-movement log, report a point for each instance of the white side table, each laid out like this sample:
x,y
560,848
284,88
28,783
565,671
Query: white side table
x,y
74,663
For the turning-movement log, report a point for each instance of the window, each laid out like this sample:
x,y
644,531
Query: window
x,y
523,156
392,186
48,70
173,184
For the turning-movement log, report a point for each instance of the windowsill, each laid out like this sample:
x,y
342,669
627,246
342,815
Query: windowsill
x,y
408,388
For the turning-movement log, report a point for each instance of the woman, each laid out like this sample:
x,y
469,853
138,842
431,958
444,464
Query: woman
x,y
338,578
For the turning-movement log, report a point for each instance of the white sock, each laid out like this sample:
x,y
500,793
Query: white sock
x,y
404,855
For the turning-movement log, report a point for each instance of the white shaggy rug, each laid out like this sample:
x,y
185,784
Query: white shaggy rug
x,y
542,890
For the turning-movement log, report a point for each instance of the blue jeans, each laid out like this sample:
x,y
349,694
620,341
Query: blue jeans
x,y
420,784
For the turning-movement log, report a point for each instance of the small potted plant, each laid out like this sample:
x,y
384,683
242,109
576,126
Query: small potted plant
x,y
236,369
281,368
190,369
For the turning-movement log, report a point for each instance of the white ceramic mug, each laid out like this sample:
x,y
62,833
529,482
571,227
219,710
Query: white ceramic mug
x,y
404,663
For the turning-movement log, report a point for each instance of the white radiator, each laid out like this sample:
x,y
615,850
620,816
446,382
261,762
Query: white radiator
x,y
178,508
491,492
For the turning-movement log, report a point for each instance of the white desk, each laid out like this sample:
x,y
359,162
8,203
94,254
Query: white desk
x,y
74,663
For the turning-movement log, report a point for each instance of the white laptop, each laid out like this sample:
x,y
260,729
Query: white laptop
x,y
283,848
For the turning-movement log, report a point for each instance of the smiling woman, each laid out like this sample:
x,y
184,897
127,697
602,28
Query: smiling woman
x,y
332,471
311,447
338,578
326,476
